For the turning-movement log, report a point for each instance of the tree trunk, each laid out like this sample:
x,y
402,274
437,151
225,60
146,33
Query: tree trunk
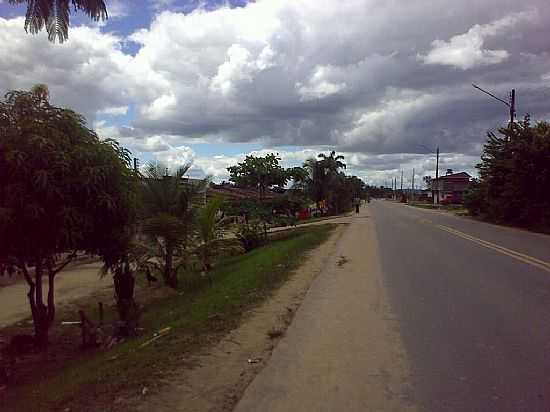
x,y
128,309
170,278
40,315
51,303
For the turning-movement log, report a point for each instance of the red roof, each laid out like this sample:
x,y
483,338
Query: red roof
x,y
233,192
461,175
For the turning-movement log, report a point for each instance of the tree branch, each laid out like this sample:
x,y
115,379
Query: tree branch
x,y
69,259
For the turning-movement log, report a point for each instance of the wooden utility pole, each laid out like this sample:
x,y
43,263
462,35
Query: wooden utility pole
x,y
512,107
401,181
437,174
511,103
412,186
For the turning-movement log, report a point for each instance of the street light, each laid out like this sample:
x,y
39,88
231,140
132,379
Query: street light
x,y
511,103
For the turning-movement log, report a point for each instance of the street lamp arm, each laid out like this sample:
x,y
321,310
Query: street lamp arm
x,y
492,95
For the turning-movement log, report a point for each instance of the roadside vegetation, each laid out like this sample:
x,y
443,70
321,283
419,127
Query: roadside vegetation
x,y
514,177
67,195
184,322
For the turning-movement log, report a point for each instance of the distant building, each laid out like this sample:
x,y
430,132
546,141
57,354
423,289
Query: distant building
x,y
232,193
451,187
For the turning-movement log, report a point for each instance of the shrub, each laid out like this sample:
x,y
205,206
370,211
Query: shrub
x,y
251,236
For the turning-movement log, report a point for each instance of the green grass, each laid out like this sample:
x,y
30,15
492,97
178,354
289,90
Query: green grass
x,y
319,219
194,318
457,208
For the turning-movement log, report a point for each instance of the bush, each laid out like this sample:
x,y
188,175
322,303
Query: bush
x,y
251,236
474,199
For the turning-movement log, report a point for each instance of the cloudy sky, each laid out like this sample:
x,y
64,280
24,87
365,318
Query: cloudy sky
x,y
207,82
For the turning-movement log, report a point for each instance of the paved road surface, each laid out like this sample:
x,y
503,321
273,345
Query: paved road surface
x,y
432,312
474,314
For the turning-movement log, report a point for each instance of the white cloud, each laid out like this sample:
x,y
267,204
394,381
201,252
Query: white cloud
x,y
318,85
114,111
295,72
86,73
466,50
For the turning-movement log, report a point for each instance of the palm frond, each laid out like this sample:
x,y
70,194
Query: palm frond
x,y
54,15
207,219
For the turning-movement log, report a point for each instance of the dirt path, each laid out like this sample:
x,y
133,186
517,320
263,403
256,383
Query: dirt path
x,y
342,350
216,379
71,284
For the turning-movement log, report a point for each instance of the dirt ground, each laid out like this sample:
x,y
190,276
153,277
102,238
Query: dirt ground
x,y
77,281
66,340
219,375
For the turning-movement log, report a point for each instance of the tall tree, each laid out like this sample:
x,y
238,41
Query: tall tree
x,y
317,180
259,173
325,178
62,190
515,176
54,15
332,163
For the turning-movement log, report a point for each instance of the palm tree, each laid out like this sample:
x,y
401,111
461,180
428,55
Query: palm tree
x,y
316,183
332,165
168,215
332,162
211,235
54,15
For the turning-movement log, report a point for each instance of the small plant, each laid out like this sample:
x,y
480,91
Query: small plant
x,y
251,236
275,333
211,236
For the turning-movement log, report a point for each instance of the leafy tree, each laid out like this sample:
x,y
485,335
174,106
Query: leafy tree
x,y
515,176
54,15
62,191
259,173
299,177
168,216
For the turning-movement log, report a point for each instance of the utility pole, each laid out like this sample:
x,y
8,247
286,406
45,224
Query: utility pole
x,y
511,103
512,107
401,181
412,186
437,174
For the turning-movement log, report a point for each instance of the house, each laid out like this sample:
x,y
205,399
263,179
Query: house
x,y
451,187
233,193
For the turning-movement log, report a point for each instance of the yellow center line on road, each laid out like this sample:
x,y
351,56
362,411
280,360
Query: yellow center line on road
x,y
541,264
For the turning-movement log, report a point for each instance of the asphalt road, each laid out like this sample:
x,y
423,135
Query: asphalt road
x,y
417,310
473,306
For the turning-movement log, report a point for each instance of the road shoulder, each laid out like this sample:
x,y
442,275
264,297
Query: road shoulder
x,y
343,350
